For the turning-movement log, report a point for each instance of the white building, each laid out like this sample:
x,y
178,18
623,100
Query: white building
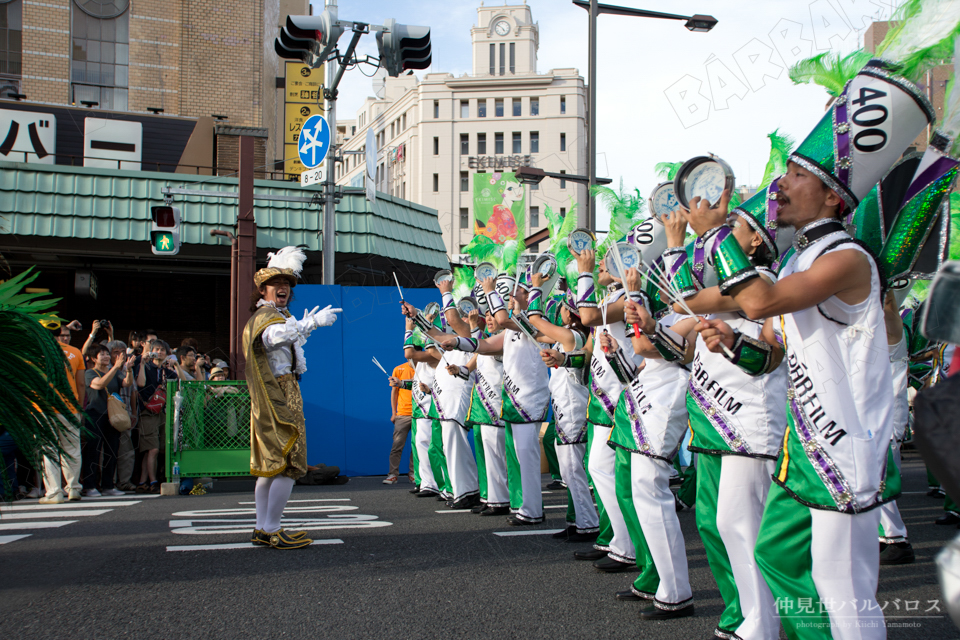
x,y
433,135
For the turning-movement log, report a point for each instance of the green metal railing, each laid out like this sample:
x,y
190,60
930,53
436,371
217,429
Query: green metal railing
x,y
208,428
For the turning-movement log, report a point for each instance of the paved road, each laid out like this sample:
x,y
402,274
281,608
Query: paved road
x,y
424,575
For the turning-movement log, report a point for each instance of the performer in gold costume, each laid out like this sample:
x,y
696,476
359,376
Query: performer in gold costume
x,y
273,347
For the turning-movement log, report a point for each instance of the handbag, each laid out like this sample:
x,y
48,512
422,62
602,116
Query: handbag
x,y
157,401
117,412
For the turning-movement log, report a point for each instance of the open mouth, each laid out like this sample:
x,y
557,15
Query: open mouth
x,y
781,198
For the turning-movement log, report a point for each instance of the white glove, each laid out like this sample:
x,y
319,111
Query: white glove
x,y
308,323
326,316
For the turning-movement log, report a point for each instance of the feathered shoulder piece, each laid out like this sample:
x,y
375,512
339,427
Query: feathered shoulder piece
x,y
830,70
288,258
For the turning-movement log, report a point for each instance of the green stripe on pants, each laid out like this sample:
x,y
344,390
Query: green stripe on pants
x,y
708,488
414,456
649,580
784,556
438,461
514,483
481,461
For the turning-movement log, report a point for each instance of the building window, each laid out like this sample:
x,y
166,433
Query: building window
x,y
464,219
498,107
100,56
493,59
403,123
534,142
534,217
481,144
534,106
436,146
464,144
498,143
464,108
502,59
392,133
436,109
11,48
482,107
513,57
464,181
403,190
517,142
436,183
563,212
563,104
563,183
517,106
563,142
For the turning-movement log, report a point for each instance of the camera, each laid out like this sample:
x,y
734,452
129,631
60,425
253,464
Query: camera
x,y
104,323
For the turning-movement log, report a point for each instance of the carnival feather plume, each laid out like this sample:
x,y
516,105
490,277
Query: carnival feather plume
x,y
33,379
503,256
625,211
667,170
781,146
560,229
922,36
829,70
291,258
950,121
463,282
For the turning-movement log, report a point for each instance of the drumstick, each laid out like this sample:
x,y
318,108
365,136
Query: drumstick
x,y
623,280
398,285
380,367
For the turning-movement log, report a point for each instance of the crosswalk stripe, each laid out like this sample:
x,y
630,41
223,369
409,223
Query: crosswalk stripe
x,y
312,500
34,525
55,514
6,539
65,506
238,545
536,532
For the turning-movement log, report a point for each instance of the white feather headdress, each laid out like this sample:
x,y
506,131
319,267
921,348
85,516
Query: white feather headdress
x,y
288,258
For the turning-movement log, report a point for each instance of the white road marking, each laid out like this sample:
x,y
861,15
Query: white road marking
x,y
312,500
536,532
556,506
245,525
6,539
317,508
34,525
238,545
54,514
65,506
453,511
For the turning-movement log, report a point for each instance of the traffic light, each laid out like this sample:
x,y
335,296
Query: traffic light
x,y
165,234
309,38
403,47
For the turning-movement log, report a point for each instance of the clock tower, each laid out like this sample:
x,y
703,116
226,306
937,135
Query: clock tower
x,y
505,41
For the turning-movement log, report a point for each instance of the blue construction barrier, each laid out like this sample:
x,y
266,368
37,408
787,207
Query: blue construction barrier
x,y
346,397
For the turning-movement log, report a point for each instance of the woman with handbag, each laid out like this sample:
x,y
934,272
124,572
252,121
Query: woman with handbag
x,y
102,381
152,378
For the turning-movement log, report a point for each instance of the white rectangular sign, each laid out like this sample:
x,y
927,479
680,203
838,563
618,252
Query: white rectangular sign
x,y
112,144
28,136
311,176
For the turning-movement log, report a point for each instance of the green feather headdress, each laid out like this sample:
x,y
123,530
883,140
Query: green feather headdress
x,y
560,228
626,209
505,257
32,371
829,70
463,282
667,170
781,146
922,36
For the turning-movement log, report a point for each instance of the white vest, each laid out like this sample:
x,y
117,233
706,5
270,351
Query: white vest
x,y
525,377
489,384
840,386
568,389
452,393
423,373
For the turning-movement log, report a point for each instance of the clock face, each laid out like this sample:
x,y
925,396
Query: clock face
x,y
502,28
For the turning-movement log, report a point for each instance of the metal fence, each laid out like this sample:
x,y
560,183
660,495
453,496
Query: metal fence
x,y
208,428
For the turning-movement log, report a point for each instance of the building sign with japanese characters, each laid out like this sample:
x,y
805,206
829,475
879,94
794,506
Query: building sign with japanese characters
x,y
28,136
499,163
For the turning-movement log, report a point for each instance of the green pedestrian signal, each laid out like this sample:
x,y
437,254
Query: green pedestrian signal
x,y
165,234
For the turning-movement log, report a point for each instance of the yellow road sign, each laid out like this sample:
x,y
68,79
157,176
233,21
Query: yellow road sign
x,y
303,84
291,162
296,115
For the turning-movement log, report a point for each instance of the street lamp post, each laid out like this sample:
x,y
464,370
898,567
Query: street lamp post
x,y
698,23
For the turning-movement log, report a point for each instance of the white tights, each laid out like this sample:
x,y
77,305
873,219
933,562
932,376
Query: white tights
x,y
271,497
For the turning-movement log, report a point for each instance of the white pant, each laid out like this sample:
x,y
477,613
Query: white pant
x,y
741,496
657,513
461,465
424,436
495,456
601,466
846,564
894,530
68,462
526,444
570,461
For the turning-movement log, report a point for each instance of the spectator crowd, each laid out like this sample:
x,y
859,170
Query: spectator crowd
x,y
109,376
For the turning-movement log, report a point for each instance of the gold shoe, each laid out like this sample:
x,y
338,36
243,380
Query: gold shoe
x,y
282,540
260,539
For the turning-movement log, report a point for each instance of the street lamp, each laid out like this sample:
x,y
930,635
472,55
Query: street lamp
x,y
533,175
698,23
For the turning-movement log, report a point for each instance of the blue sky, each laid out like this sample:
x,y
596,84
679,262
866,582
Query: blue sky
x,y
663,93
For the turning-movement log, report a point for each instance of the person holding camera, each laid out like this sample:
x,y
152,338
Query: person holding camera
x,y
94,330
102,381
155,370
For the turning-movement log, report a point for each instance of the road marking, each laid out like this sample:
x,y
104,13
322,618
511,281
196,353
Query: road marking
x,y
55,514
238,545
453,511
245,525
556,506
312,500
35,525
317,508
537,532
6,539
64,506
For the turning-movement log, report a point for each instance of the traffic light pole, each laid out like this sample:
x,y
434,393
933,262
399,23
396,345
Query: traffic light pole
x,y
330,196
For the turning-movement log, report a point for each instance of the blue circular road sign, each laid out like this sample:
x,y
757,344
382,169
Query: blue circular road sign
x,y
314,141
